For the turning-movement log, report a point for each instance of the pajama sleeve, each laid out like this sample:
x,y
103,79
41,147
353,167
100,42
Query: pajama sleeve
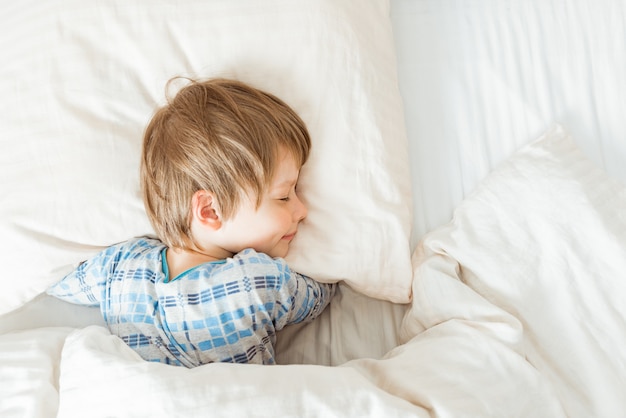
x,y
86,284
301,299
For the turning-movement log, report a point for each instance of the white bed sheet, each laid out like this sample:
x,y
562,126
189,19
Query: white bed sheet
x,y
481,78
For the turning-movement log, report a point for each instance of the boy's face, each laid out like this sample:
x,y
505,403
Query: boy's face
x,y
271,227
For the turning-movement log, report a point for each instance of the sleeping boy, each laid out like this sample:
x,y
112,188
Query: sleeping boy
x,y
219,168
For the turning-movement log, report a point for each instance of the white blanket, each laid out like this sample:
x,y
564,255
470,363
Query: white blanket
x,y
535,260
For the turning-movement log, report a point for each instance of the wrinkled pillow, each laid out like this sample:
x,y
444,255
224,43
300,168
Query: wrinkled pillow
x,y
80,81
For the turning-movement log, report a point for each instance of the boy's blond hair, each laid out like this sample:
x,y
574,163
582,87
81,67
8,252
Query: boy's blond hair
x,y
218,135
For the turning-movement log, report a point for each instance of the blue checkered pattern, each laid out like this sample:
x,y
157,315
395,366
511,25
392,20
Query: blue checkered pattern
x,y
226,311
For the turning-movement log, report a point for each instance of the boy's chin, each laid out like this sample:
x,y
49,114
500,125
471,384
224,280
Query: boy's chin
x,y
278,252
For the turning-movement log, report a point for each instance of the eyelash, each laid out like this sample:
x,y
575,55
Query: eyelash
x,y
287,198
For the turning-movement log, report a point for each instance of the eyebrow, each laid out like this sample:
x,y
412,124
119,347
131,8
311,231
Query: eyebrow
x,y
283,183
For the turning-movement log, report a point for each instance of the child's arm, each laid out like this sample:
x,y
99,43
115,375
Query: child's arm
x,y
303,298
85,285
310,298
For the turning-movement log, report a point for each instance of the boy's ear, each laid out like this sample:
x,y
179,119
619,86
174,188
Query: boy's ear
x,y
205,209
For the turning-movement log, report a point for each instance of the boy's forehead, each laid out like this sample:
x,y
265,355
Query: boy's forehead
x,y
286,171
286,157
285,182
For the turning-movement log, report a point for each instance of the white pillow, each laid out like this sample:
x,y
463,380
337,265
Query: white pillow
x,y
80,80
538,250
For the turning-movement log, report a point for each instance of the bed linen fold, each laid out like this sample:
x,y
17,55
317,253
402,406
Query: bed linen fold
x,y
534,259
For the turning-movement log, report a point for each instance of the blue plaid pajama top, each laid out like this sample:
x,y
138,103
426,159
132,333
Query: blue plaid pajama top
x,y
226,311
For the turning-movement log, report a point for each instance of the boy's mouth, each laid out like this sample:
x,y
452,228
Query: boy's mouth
x,y
289,237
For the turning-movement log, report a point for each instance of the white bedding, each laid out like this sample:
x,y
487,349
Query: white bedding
x,y
513,314
518,235
534,259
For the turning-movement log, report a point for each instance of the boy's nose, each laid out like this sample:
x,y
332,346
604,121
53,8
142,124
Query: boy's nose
x,y
300,211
